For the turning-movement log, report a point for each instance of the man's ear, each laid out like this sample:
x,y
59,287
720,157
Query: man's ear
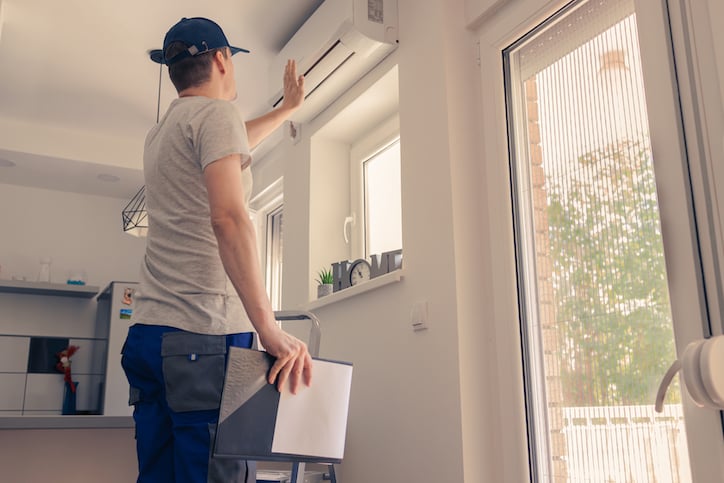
x,y
220,61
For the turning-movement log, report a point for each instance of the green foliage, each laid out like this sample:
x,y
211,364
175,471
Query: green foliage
x,y
325,276
609,278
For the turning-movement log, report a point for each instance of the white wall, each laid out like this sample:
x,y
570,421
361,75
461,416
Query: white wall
x,y
476,332
77,231
329,205
296,171
405,414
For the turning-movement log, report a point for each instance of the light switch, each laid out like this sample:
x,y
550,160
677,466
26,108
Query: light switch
x,y
419,316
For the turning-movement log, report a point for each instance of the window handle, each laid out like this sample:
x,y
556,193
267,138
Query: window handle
x,y
348,221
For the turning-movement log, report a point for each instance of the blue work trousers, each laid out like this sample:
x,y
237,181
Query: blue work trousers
x,y
176,379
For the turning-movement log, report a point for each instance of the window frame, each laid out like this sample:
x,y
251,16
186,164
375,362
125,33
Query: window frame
x,y
361,151
494,37
273,255
262,208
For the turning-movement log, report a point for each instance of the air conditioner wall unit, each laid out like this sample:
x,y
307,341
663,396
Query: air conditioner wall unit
x,y
339,43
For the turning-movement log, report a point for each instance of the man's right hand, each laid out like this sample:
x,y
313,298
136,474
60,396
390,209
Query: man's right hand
x,y
293,87
293,361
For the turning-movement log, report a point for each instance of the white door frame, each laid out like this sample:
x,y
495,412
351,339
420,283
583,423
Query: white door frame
x,y
514,19
700,90
684,246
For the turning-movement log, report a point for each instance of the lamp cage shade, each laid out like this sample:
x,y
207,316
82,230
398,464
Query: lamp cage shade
x,y
135,216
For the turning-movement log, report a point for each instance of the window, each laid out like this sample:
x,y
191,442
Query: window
x,y
597,334
266,210
273,261
376,176
354,175
383,210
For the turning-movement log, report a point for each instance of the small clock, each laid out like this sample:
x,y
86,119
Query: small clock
x,y
359,272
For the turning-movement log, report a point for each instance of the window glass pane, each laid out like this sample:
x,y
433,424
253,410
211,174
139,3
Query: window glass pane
x,y
596,318
274,257
383,203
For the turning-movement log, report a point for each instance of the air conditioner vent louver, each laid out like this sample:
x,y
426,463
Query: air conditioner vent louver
x,y
336,47
323,68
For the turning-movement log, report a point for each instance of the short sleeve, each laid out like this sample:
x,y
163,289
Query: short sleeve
x,y
218,131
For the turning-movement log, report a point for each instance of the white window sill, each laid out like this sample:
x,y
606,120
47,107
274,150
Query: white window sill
x,y
373,284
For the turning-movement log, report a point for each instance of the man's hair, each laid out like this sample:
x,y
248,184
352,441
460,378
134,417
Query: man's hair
x,y
191,71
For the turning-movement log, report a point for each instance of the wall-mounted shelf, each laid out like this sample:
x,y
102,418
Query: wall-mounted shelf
x,y
375,283
65,422
43,288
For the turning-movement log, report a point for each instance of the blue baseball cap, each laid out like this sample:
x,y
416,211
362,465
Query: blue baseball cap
x,y
198,34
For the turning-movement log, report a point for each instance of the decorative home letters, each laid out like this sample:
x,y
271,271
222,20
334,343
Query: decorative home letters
x,y
381,264
394,260
340,273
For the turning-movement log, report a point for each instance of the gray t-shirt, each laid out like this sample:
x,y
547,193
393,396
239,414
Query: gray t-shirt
x,y
183,282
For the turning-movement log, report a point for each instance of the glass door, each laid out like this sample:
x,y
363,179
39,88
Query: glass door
x,y
599,177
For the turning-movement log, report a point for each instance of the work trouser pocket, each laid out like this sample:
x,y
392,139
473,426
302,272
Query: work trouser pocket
x,y
193,370
134,393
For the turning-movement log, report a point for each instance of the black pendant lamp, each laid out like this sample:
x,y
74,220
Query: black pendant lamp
x,y
135,216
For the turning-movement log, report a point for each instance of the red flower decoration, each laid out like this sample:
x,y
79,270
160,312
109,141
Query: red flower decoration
x,y
63,364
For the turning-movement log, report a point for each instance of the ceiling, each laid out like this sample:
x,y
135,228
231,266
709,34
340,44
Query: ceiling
x,y
78,92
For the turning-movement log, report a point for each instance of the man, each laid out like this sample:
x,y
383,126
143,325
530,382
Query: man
x,y
201,286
